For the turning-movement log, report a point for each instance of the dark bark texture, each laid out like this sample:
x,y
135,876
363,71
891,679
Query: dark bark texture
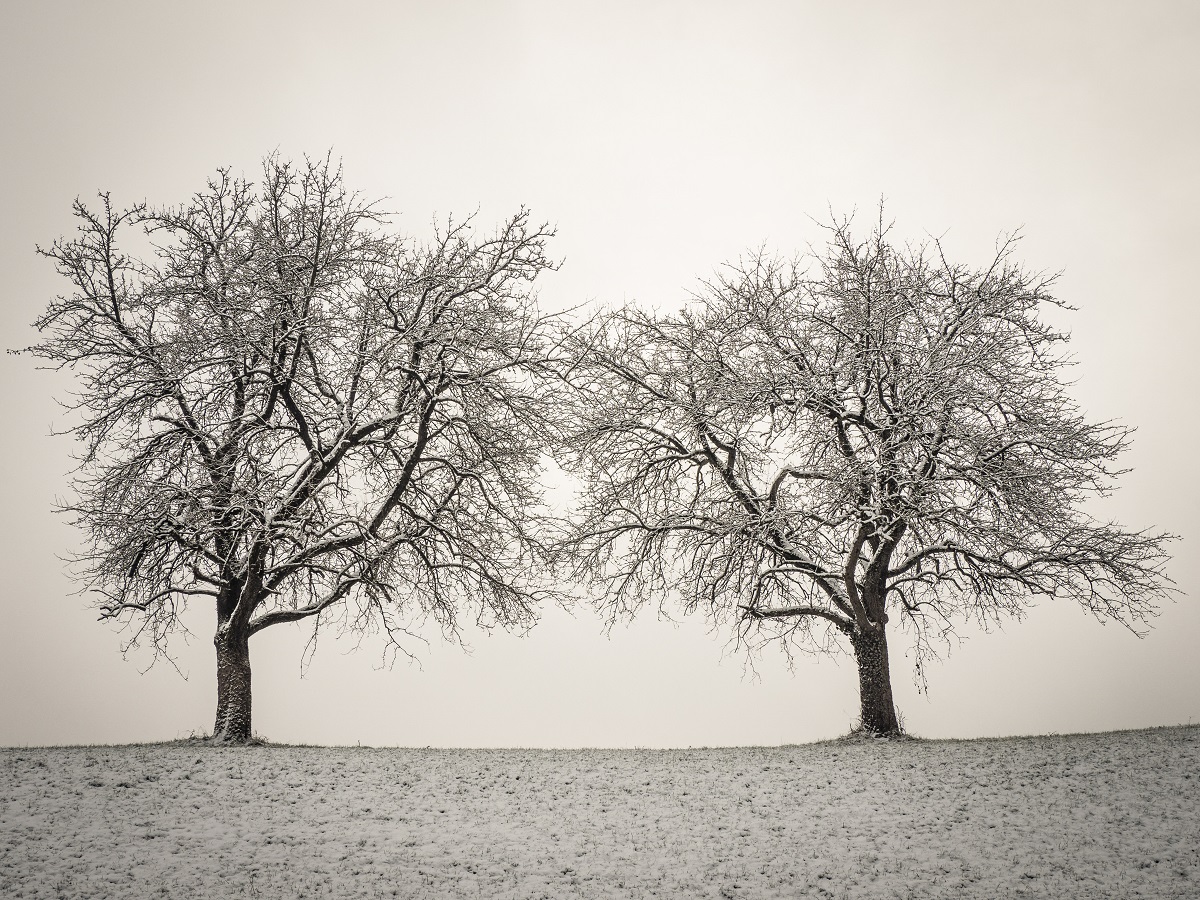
x,y
233,724
875,682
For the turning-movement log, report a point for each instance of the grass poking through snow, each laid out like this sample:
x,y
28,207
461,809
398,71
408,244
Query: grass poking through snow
x,y
1107,815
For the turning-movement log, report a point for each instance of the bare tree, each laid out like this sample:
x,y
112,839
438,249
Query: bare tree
x,y
809,456
292,415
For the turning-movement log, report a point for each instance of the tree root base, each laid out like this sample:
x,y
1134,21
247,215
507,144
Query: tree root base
x,y
862,735
209,740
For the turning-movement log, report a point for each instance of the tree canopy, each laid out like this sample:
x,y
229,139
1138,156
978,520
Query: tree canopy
x,y
814,448
292,414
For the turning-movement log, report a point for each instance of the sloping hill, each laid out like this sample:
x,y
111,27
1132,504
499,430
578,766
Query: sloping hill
x,y
1100,815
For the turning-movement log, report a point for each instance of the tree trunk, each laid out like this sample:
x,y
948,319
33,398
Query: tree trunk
x,y
875,682
233,687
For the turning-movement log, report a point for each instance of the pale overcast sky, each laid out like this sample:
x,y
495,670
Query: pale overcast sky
x,y
663,138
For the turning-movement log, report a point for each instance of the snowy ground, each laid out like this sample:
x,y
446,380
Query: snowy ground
x,y
1109,815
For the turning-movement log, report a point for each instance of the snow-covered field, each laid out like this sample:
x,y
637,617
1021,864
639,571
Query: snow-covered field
x,y
1108,815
